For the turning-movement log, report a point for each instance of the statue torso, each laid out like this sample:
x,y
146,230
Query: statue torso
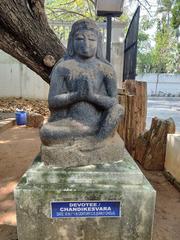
x,y
74,74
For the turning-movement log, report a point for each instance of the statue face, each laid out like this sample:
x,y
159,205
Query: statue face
x,y
85,43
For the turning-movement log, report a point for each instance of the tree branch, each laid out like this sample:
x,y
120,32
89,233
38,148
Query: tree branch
x,y
59,10
68,3
147,3
89,8
29,38
93,2
19,51
144,7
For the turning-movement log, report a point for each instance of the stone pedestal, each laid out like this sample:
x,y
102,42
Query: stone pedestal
x,y
120,181
83,151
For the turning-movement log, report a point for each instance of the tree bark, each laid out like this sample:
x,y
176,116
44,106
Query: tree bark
x,y
134,99
150,147
26,35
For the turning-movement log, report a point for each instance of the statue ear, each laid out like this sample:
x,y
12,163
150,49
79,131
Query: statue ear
x,y
70,47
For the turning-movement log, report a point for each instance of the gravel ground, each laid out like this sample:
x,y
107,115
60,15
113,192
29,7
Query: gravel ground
x,y
164,108
8,106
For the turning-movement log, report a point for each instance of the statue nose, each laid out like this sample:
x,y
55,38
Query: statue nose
x,y
86,43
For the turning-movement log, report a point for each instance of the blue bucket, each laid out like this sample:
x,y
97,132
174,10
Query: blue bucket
x,y
21,118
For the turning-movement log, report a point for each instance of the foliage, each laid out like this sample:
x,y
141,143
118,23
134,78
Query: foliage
x,y
161,50
164,55
175,21
144,62
144,55
158,57
67,11
70,10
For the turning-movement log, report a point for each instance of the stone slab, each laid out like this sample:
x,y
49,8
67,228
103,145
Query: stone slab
x,y
172,161
124,171
82,152
42,185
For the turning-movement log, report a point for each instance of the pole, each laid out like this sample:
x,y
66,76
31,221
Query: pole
x,y
108,43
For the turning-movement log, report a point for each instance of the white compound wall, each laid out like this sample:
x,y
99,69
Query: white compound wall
x,y
17,80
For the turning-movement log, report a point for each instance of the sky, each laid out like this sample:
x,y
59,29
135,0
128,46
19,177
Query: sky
x,y
148,7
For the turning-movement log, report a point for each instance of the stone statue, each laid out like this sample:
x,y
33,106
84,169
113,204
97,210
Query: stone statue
x,y
83,104
82,97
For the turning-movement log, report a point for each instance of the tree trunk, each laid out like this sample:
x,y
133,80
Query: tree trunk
x,y
157,82
134,99
150,147
26,35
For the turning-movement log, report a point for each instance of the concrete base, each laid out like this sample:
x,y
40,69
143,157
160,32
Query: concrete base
x,y
83,151
121,181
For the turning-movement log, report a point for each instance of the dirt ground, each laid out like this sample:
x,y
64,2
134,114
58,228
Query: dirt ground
x,y
19,146
8,106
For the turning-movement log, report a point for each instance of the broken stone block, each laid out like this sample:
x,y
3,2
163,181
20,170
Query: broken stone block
x,y
35,120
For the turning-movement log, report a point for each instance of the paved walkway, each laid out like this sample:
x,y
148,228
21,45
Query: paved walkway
x,y
164,108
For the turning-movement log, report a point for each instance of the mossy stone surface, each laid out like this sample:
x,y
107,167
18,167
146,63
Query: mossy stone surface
x,y
121,181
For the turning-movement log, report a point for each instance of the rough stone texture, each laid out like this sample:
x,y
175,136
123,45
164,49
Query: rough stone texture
x,y
122,181
35,120
83,151
83,90
151,146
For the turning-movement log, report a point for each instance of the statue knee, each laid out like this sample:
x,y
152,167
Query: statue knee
x,y
117,111
120,110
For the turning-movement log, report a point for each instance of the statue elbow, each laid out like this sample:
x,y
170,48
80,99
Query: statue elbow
x,y
52,103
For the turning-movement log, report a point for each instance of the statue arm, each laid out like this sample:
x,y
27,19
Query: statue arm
x,y
108,101
62,100
101,101
58,93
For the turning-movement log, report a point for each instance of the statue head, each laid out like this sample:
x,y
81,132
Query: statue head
x,y
85,40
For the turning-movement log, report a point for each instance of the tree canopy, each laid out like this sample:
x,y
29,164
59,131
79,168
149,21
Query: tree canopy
x,y
176,15
70,10
159,53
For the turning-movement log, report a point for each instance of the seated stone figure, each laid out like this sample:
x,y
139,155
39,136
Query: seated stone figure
x,y
82,97
83,105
